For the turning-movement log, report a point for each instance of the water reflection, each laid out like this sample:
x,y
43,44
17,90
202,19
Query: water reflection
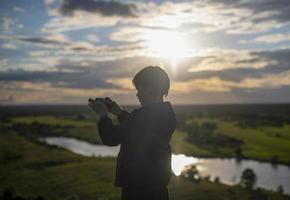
x,y
179,162
227,170
82,147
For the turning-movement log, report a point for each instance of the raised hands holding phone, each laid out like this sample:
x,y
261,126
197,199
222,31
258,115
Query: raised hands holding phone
x,y
104,105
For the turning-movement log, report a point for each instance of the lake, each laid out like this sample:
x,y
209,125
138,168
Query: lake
x,y
228,170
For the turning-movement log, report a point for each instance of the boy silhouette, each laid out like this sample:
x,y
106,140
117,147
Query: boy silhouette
x,y
144,161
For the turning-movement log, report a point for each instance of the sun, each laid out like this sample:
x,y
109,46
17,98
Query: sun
x,y
171,45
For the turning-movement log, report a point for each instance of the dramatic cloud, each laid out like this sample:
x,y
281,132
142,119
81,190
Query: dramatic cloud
x,y
84,74
232,17
24,92
79,50
255,16
115,73
265,10
105,8
74,79
63,46
213,50
219,60
215,84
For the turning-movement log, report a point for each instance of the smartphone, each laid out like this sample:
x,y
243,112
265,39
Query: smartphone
x,y
100,99
104,101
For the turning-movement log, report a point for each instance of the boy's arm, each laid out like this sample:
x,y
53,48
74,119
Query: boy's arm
x,y
111,135
123,116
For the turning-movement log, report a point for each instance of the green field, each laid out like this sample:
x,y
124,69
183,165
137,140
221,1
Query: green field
x,y
260,143
68,127
33,169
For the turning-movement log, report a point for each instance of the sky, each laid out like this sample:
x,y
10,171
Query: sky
x,y
214,51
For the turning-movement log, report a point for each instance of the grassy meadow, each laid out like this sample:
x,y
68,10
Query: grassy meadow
x,y
34,169
259,144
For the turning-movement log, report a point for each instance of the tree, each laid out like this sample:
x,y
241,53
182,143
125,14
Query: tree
x,y
191,173
248,178
238,152
280,189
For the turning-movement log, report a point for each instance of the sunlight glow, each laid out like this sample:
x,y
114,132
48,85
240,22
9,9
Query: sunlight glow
x,y
171,45
179,162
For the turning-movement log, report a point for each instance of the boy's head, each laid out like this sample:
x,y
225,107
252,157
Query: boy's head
x,y
152,83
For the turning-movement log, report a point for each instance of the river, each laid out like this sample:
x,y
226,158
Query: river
x,y
228,170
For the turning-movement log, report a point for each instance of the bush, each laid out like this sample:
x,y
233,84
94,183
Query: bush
x,y
191,173
248,178
206,134
280,189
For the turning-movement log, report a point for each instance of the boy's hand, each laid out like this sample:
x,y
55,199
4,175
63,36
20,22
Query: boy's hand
x,y
113,107
98,106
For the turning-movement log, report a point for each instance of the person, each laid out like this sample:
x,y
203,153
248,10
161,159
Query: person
x,y
143,168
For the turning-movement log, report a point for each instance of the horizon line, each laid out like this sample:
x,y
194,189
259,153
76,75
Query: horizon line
x,y
185,104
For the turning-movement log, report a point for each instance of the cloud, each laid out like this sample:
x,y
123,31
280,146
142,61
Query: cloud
x,y
136,33
61,44
77,80
7,23
125,83
255,16
84,74
83,50
8,46
74,79
57,39
105,8
222,60
49,2
216,84
79,21
230,65
269,39
18,9
109,13
277,10
234,17
26,92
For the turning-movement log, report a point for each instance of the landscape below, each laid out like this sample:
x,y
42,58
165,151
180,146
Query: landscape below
x,y
32,169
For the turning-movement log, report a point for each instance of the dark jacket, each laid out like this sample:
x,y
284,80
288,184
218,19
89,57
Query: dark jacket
x,y
144,159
